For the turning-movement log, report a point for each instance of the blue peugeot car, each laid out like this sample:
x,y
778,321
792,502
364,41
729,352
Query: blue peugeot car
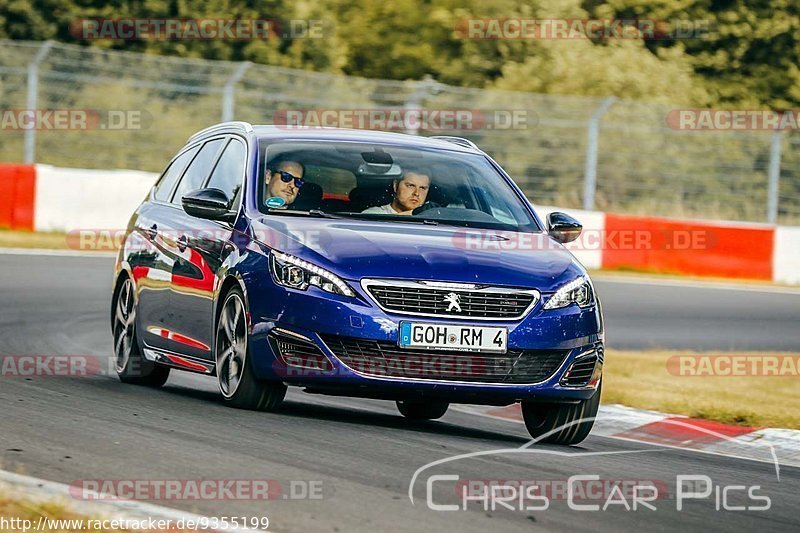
x,y
357,263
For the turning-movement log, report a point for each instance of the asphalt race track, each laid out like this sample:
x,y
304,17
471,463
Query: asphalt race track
x,y
642,314
357,457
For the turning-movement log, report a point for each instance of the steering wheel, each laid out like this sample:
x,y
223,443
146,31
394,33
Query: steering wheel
x,y
424,207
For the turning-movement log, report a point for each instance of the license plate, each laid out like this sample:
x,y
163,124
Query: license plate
x,y
453,337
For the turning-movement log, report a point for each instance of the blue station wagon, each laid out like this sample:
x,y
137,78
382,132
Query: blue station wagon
x,y
357,263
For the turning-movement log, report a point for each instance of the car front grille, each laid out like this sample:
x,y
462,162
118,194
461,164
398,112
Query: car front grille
x,y
451,300
386,359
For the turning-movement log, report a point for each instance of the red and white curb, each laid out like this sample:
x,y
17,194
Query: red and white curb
x,y
47,198
651,427
32,489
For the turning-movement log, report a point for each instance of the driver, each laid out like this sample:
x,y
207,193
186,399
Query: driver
x,y
284,180
410,192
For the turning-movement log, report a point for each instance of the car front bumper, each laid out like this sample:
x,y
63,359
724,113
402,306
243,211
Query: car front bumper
x,y
313,316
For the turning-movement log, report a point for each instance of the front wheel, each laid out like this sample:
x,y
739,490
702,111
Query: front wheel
x,y
570,423
237,381
416,410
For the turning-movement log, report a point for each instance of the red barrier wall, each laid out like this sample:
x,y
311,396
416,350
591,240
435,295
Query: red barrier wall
x,y
17,192
691,247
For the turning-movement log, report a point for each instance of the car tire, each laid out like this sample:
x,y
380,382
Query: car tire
x,y
130,364
543,417
417,410
237,381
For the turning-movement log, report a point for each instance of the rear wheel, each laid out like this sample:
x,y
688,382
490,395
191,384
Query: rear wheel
x,y
130,364
566,420
237,381
418,410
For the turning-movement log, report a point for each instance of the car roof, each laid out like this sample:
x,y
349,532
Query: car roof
x,y
305,133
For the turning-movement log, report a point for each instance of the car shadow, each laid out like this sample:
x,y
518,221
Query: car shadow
x,y
362,416
347,415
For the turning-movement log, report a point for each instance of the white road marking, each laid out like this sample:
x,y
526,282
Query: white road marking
x,y
55,253
615,419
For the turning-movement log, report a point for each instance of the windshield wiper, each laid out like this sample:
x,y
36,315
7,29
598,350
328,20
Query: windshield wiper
x,y
390,218
357,216
322,214
311,212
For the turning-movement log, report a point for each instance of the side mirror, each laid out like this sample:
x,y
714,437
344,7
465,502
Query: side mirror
x,y
563,227
211,203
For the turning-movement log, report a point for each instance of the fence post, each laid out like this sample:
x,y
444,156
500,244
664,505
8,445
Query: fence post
x,y
413,104
33,96
590,172
774,176
229,92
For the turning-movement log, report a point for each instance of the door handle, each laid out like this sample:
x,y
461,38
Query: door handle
x,y
183,242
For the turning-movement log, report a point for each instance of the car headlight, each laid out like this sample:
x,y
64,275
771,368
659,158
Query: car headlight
x,y
296,273
578,291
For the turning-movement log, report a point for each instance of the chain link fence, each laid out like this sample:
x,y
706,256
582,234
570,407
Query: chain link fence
x,y
602,153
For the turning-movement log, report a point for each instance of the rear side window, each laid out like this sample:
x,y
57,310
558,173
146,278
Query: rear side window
x,y
167,183
227,175
198,170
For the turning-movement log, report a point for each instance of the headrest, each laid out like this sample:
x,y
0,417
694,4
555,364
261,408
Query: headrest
x,y
309,197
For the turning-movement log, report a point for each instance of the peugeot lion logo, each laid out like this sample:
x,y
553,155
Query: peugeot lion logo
x,y
455,302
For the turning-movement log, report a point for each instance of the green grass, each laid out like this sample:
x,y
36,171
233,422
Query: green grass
x,y
641,380
27,239
12,507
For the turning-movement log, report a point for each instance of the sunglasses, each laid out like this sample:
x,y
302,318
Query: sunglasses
x,y
286,177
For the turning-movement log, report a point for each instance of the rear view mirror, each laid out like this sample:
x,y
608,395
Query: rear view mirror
x,y
379,169
378,163
563,227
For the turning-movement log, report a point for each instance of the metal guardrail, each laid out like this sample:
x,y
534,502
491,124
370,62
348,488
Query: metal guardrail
x,y
590,152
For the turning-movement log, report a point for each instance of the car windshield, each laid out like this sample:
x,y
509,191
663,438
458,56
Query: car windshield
x,y
388,183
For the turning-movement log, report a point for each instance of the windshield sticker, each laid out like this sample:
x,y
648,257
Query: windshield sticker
x,y
275,201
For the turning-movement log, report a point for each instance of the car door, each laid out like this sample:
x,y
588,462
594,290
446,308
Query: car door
x,y
166,331
202,246
150,257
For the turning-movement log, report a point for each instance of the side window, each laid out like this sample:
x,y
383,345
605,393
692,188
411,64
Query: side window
x,y
198,170
167,183
228,173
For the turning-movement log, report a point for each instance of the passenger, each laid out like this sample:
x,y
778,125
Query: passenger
x,y
284,181
410,192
